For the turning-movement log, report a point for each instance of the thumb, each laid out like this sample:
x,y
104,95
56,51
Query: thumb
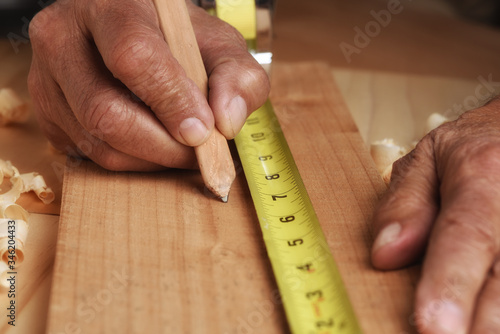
x,y
405,215
238,84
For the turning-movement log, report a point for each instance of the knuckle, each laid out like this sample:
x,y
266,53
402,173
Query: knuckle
x,y
108,159
421,156
475,231
100,9
471,142
178,96
178,100
445,136
256,77
105,11
244,77
223,37
401,165
232,35
40,23
47,31
97,111
136,59
108,120
474,162
131,52
226,33
485,155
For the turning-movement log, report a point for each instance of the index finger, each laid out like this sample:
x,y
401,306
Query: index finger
x,y
133,48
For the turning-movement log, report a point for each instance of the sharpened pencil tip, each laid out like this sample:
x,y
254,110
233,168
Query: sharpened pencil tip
x,y
224,199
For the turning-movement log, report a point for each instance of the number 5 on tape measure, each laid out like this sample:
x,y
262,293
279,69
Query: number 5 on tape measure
x,y
313,294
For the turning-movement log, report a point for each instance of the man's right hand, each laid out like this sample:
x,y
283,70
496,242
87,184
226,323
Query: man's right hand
x,y
105,85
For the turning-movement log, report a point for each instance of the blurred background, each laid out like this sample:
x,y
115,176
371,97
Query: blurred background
x,y
12,13
485,11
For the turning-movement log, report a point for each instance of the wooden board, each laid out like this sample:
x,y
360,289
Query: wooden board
x,y
372,106
141,253
415,42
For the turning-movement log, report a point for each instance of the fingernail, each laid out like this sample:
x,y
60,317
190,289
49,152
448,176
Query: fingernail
x,y
193,131
389,234
450,319
237,110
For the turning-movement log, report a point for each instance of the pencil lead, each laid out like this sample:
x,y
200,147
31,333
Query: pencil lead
x,y
224,199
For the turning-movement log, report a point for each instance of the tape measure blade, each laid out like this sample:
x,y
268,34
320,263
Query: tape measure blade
x,y
313,294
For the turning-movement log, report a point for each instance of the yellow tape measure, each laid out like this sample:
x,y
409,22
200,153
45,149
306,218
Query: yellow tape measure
x,y
240,14
313,294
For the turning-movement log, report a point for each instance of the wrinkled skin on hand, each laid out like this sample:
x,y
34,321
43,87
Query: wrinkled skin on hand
x,y
444,200
105,85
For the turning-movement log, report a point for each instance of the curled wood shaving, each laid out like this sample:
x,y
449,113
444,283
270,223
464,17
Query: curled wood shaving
x,y
22,183
6,170
16,189
435,120
384,153
4,269
18,233
12,108
10,211
35,182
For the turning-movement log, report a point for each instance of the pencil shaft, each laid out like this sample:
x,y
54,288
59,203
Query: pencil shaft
x,y
214,157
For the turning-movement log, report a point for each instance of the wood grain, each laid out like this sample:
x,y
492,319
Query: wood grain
x,y
419,42
153,253
344,188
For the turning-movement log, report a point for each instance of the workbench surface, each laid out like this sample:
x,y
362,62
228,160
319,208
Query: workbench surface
x,y
211,274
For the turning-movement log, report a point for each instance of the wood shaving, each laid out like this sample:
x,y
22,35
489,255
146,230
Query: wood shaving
x,y
12,108
384,153
20,228
12,214
12,210
4,269
35,182
6,170
435,120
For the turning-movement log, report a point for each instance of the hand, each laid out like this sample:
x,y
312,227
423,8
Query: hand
x,y
444,200
104,84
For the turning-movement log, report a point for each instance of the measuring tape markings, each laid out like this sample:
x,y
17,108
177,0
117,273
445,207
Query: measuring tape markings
x,y
312,290
311,287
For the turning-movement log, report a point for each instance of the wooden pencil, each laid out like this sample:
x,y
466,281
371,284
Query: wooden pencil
x,y
214,157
